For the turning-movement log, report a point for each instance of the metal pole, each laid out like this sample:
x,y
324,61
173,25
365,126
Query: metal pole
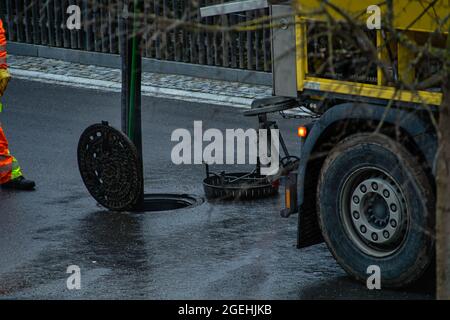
x,y
123,31
131,39
134,116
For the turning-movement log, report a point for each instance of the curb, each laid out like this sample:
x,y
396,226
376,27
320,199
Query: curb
x,y
148,64
149,91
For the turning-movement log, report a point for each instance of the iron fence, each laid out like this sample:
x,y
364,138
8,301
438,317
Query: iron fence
x,y
43,22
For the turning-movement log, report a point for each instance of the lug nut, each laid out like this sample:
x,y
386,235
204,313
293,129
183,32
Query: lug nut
x,y
375,186
356,215
374,237
386,193
386,234
393,223
363,189
356,199
393,208
363,229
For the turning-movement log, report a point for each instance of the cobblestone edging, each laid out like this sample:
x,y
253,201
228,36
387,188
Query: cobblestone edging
x,y
180,87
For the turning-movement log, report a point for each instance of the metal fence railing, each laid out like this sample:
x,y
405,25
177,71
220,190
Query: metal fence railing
x,y
43,22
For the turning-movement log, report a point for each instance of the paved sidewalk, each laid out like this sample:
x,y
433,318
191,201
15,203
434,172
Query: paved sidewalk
x,y
178,87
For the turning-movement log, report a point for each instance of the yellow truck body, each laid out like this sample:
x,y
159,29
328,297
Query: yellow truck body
x,y
413,19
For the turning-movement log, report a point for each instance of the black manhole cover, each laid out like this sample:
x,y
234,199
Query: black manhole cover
x,y
109,165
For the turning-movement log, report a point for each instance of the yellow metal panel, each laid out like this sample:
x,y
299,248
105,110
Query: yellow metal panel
x,y
382,56
408,14
418,15
372,91
350,7
406,70
301,51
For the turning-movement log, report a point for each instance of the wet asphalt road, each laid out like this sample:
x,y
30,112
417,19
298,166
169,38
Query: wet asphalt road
x,y
212,251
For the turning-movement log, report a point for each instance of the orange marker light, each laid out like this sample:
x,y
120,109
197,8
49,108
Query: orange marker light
x,y
287,198
302,132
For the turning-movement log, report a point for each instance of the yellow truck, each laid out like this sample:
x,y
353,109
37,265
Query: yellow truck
x,y
365,183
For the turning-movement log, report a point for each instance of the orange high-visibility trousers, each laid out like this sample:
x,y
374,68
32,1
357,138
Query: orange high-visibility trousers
x,y
9,167
4,75
3,64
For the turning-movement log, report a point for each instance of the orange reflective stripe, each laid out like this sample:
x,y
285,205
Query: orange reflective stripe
x,y
6,165
5,161
6,169
4,157
5,179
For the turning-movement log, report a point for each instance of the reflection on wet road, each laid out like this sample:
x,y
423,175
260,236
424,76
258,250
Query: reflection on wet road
x,y
213,251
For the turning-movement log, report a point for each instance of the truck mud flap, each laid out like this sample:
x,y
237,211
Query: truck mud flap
x,y
308,229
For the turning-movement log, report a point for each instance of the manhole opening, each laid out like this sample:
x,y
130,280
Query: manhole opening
x,y
168,202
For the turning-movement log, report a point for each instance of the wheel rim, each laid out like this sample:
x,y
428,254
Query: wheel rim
x,y
374,212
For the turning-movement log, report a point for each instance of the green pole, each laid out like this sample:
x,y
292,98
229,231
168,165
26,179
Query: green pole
x,y
131,80
132,104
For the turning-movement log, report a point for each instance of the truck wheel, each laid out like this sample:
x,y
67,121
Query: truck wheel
x,y
376,207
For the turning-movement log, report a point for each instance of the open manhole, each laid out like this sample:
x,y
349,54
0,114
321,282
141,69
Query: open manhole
x,y
168,202
110,167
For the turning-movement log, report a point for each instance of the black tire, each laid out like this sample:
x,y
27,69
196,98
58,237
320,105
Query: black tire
x,y
403,261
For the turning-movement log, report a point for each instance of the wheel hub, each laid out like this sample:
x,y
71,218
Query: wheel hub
x,y
376,211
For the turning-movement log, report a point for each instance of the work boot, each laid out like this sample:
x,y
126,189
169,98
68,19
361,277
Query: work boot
x,y
20,184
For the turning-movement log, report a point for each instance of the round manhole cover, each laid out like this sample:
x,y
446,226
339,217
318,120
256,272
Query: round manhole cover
x,y
109,165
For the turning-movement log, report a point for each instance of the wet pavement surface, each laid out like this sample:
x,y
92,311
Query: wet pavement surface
x,y
212,251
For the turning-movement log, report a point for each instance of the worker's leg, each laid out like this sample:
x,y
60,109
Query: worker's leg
x,y
16,170
6,160
10,173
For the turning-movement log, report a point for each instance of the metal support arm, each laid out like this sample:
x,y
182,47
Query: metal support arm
x,y
233,7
